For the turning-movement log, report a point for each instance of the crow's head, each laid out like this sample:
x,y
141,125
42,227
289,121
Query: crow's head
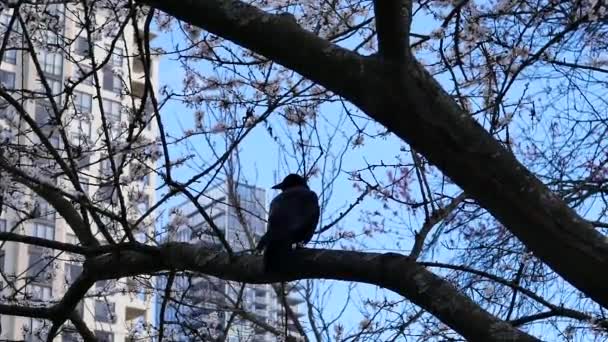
x,y
291,181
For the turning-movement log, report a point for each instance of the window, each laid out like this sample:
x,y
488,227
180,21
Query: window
x,y
70,336
107,192
83,102
7,111
55,141
105,167
55,86
81,72
43,231
43,114
1,261
39,271
34,330
81,46
53,39
104,336
111,110
83,163
183,235
72,271
85,128
40,293
5,19
111,81
143,204
7,79
117,57
102,285
10,55
51,62
55,10
47,212
105,311
82,134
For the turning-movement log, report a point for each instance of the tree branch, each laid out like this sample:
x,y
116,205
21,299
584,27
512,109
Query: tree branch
x,y
81,326
65,308
36,241
63,206
26,311
393,18
410,103
437,216
392,271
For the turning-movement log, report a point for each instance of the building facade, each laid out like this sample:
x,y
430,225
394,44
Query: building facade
x,y
209,311
84,68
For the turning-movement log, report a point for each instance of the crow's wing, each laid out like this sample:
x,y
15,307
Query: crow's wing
x,y
293,216
312,219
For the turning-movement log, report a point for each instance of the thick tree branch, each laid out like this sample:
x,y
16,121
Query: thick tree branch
x,y
26,311
393,18
65,308
81,326
392,271
411,104
69,213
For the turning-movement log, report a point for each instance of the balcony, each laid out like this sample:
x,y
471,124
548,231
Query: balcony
x,y
281,313
134,310
294,300
261,302
260,291
138,300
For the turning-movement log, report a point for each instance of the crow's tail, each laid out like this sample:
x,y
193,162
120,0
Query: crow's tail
x,y
274,256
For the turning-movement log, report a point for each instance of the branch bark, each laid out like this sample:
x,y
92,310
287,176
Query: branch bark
x,y
393,19
392,271
412,105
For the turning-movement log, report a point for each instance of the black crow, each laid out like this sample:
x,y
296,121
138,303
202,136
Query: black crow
x,y
292,219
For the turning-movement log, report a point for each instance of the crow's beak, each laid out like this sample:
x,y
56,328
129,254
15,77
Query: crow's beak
x,y
278,186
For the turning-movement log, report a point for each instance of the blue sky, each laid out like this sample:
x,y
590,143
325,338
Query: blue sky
x,y
259,166
259,159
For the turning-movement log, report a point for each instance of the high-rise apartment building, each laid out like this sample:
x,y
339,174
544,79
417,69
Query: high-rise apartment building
x,y
206,305
69,48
